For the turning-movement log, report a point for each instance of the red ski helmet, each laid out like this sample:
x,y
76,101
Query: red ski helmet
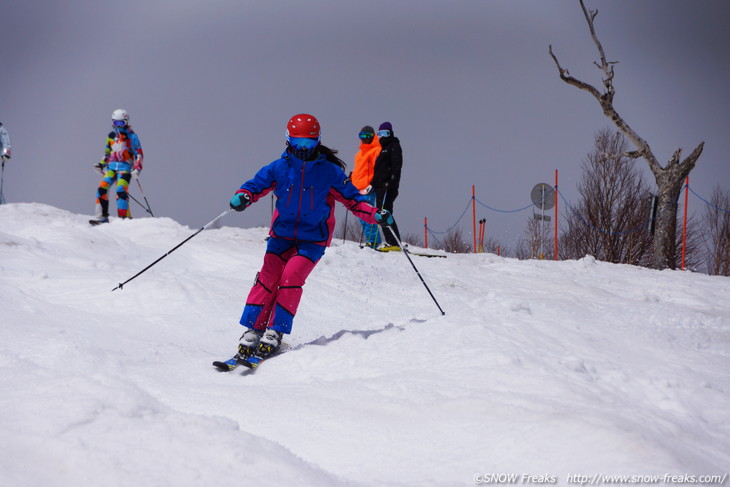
x,y
303,125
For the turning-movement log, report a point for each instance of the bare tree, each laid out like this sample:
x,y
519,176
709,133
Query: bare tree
x,y
454,242
412,238
716,238
494,247
538,240
611,221
668,179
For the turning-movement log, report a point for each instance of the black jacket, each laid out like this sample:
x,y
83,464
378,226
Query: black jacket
x,y
388,164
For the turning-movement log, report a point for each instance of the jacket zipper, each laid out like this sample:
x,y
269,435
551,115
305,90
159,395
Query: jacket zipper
x,y
288,196
301,197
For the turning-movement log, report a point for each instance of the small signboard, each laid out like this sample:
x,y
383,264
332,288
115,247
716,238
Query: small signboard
x,y
543,196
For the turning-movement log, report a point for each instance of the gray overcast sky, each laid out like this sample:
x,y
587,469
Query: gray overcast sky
x,y
468,84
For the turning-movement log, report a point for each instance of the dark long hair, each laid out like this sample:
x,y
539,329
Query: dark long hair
x,y
331,155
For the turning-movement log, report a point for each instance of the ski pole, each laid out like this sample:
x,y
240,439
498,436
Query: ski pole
x,y
382,205
140,204
362,233
405,251
149,210
121,284
2,181
344,233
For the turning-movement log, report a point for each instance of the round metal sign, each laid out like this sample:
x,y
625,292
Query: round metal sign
x,y
543,196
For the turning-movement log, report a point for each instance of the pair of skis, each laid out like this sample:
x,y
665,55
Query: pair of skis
x,y
251,362
420,254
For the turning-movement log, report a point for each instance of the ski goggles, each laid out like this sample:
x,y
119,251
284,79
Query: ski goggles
x,y
302,142
119,123
366,135
383,133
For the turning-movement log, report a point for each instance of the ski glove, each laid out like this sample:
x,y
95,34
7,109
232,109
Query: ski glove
x,y
367,190
135,173
3,159
99,167
240,201
384,218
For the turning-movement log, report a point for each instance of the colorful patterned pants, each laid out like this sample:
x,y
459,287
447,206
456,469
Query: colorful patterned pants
x,y
122,179
275,296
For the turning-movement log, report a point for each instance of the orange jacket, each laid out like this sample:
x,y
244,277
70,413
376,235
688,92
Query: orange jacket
x,y
362,175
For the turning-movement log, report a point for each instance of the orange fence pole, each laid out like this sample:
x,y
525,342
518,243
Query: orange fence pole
x,y
479,237
425,232
474,218
482,227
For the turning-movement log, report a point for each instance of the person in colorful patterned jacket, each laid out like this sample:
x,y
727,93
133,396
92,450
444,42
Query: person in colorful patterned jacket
x,y
307,180
122,161
362,177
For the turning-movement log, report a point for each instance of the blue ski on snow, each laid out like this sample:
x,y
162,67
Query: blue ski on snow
x,y
251,362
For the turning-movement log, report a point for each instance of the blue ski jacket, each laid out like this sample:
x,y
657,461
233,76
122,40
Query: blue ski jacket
x,y
305,197
4,142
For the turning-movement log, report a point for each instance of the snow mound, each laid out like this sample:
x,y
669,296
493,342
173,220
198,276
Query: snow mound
x,y
538,367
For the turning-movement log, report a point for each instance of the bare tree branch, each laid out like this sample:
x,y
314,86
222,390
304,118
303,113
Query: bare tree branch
x,y
565,76
606,99
605,66
628,155
668,179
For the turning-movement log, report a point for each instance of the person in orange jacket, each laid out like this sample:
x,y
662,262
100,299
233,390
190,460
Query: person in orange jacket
x,y
362,177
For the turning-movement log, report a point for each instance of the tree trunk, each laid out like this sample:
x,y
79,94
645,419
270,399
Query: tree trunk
x,y
669,181
665,229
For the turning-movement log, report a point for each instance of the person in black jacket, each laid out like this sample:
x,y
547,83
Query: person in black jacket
x,y
386,177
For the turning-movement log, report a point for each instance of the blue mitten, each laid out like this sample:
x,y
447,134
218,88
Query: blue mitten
x,y
384,218
240,201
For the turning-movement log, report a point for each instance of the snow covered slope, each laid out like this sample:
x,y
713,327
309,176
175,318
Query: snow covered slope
x,y
543,368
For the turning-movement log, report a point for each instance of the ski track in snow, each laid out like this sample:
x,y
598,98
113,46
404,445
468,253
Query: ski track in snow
x,y
539,367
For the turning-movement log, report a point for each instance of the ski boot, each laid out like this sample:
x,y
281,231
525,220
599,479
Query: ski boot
x,y
249,343
99,221
269,344
388,248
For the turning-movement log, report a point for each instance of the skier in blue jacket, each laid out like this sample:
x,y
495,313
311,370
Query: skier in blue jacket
x,y
4,144
4,156
307,180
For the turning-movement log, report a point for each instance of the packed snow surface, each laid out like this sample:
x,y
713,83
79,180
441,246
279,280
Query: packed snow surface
x,y
539,368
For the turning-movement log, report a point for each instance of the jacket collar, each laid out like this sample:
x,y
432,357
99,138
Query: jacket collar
x,y
372,145
295,160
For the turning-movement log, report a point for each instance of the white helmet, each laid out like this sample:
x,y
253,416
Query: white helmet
x,y
120,114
